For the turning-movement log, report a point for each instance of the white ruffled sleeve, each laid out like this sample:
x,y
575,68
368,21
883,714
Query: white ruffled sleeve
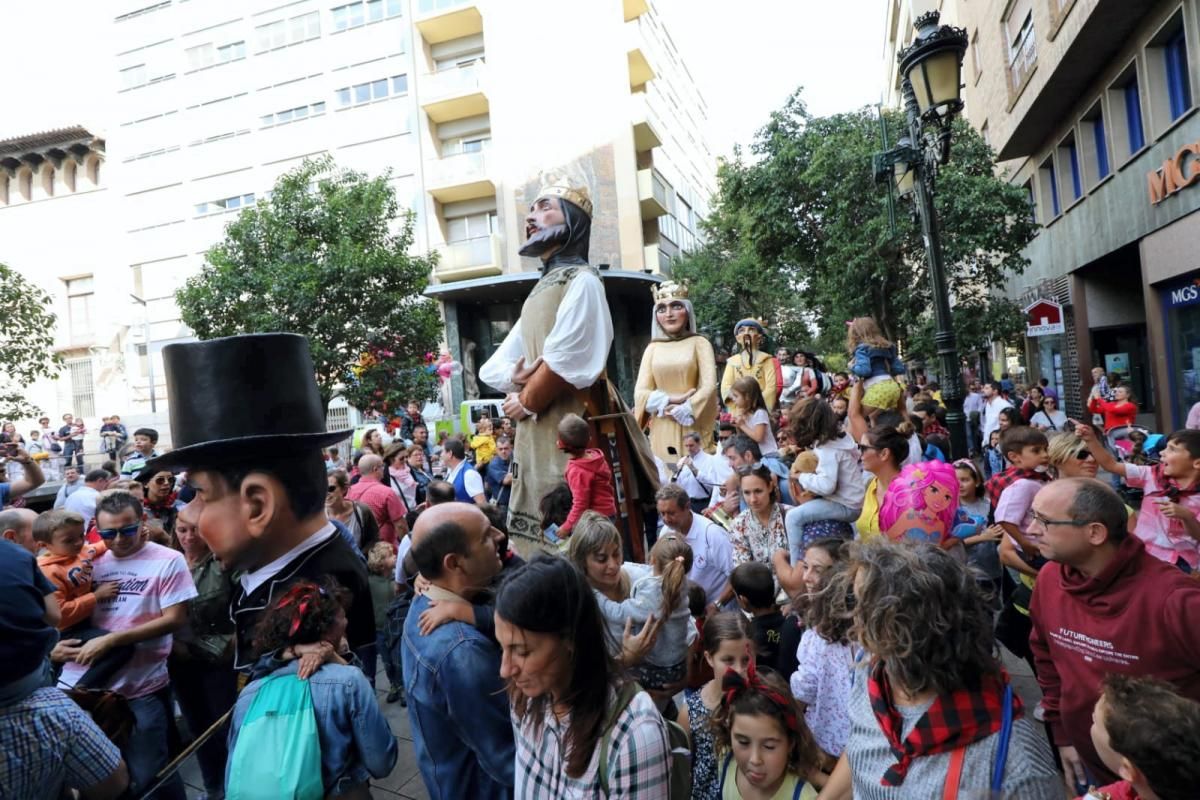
x,y
577,348
497,371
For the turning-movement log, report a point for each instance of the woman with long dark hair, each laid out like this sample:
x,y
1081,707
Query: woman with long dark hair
x,y
580,731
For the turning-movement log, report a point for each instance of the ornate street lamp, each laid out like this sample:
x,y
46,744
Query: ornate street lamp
x,y
931,78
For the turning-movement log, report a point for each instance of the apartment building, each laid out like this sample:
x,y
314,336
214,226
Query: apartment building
x,y
1090,105
469,105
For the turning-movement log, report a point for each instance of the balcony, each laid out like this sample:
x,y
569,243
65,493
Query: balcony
x,y
655,260
653,193
443,20
472,258
454,93
640,70
635,8
463,176
645,124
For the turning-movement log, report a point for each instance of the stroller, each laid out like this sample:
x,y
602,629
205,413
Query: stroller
x,y
1134,444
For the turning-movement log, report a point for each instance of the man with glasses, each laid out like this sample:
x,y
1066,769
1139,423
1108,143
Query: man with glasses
x,y
83,501
150,604
1103,605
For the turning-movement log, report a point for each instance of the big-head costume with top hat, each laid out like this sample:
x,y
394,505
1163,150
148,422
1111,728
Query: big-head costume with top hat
x,y
566,330
244,403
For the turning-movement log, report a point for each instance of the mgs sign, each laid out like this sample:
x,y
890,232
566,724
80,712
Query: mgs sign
x,y
1177,172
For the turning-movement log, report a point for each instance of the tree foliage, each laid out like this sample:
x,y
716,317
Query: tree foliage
x,y
26,343
800,234
322,257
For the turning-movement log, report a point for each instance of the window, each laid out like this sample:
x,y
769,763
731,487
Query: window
x,y
1069,172
372,90
473,226
1102,168
206,55
79,309
132,77
224,204
1179,94
284,32
1022,43
976,66
1133,115
290,114
83,390
354,15
1048,187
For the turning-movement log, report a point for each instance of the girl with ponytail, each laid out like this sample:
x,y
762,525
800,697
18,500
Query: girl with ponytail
x,y
659,588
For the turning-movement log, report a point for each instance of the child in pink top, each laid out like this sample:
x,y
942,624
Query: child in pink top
x,y
588,473
1167,523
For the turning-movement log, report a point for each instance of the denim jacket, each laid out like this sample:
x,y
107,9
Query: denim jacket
x,y
356,742
458,708
872,362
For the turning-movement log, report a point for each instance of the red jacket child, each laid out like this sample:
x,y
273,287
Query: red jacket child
x,y
591,482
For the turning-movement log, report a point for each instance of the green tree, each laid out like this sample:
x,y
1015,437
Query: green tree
x,y
320,257
26,343
816,246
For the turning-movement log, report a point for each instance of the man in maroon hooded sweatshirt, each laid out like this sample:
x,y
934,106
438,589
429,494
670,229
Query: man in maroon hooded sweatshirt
x,y
1103,606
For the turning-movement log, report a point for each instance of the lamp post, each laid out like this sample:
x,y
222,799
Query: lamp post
x,y
149,356
931,71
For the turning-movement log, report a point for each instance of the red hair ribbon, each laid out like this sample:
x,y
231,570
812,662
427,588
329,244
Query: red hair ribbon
x,y
301,597
734,684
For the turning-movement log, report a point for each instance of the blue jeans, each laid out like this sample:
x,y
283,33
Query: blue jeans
x,y
391,660
813,511
147,750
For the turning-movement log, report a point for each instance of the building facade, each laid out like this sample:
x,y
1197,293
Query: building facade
x,y
469,108
1090,105
55,215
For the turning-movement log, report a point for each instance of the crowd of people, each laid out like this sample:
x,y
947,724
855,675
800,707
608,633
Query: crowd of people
x,y
821,615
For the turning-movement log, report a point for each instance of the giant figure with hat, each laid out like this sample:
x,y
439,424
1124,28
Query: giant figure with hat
x,y
552,364
752,362
249,426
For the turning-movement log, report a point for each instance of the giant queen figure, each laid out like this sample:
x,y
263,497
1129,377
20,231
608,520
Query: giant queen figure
x,y
552,362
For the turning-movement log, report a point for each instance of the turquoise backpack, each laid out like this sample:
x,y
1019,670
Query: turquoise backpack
x,y
278,751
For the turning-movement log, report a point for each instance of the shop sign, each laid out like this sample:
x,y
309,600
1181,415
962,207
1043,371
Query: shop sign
x,y
1177,172
1044,318
1185,295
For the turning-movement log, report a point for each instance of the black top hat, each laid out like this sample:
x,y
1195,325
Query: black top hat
x,y
241,395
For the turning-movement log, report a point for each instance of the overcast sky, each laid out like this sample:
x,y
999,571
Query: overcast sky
x,y
747,57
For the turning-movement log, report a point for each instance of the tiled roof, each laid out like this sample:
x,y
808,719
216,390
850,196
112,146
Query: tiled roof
x,y
44,139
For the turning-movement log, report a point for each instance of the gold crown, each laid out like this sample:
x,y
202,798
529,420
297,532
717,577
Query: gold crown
x,y
575,195
666,292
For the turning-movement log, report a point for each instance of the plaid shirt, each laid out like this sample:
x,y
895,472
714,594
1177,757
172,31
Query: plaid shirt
x,y
47,742
638,757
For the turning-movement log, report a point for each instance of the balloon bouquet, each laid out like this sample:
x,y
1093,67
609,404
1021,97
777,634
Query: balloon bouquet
x,y
445,367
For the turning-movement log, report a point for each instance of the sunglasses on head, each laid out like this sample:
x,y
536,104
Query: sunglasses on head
x,y
128,530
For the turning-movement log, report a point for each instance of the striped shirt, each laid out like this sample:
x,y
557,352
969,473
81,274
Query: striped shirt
x,y
150,581
638,757
48,743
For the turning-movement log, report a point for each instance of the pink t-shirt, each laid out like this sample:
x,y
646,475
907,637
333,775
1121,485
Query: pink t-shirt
x,y
1016,506
1164,538
151,580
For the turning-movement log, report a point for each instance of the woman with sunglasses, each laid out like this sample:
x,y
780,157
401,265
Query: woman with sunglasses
x,y
162,501
357,517
884,450
1071,458
1049,417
